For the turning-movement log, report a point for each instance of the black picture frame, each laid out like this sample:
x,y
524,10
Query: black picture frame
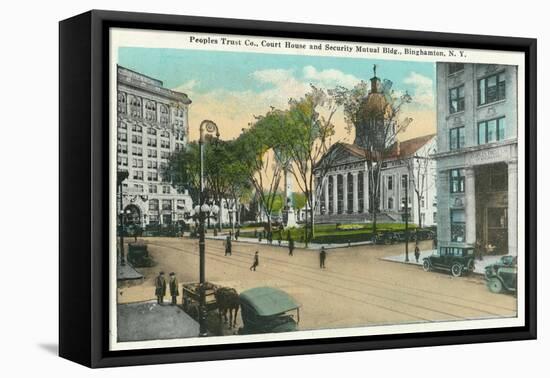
x,y
83,196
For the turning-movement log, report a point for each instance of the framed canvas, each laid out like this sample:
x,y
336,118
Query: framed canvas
x,y
235,188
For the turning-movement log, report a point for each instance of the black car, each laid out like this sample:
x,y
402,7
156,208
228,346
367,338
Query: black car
x,y
502,276
455,259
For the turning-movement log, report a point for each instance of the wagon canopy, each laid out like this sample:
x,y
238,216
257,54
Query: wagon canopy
x,y
268,301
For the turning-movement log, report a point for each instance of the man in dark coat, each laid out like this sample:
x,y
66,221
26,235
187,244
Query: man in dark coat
x,y
160,287
291,247
416,252
174,290
228,246
256,261
322,257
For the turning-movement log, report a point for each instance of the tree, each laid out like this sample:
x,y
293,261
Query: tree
x,y
261,152
183,170
224,173
418,167
308,130
377,124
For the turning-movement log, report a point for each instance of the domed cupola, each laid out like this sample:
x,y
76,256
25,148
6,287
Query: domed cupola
x,y
372,114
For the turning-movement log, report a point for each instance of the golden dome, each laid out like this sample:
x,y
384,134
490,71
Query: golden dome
x,y
375,106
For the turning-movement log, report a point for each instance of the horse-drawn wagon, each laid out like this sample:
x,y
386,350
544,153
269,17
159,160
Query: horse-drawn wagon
x,y
219,302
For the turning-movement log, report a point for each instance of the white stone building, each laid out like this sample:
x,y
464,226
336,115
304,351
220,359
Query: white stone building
x,y
477,156
152,123
345,192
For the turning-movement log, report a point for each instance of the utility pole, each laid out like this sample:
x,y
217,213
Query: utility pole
x,y
406,204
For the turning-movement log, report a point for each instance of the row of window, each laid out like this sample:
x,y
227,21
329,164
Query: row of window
x,y
138,188
166,204
151,131
150,106
138,151
489,89
151,175
487,132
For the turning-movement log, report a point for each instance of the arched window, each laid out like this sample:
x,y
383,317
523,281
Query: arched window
x,y
150,111
121,103
164,116
135,106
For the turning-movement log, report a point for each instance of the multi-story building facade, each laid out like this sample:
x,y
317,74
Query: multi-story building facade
x,y
152,123
477,156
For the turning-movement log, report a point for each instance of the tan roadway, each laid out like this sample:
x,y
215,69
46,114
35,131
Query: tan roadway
x,y
357,288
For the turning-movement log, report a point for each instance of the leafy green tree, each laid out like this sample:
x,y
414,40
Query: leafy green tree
x,y
381,124
260,150
308,130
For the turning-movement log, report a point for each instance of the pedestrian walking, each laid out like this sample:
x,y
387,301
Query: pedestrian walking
x,y
270,237
228,246
256,261
322,258
160,287
291,247
237,234
174,290
416,252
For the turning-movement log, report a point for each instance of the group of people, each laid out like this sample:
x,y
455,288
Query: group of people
x,y
160,288
228,244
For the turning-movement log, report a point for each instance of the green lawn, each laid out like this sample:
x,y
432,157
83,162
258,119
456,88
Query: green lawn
x,y
323,231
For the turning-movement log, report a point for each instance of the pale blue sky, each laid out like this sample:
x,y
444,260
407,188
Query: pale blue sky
x,y
232,87
232,70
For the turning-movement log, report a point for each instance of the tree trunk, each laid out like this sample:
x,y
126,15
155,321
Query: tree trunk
x,y
419,212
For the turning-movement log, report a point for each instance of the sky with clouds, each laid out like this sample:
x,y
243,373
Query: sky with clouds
x,y
231,87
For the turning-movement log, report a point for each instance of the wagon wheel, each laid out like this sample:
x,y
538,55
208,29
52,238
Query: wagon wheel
x,y
426,266
185,302
495,285
456,270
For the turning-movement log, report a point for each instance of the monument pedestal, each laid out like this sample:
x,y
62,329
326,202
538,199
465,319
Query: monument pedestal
x,y
289,218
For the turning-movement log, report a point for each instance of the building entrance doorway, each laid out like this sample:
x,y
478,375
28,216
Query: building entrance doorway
x,y
492,208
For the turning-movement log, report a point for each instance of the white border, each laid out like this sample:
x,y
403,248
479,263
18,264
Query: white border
x,y
180,40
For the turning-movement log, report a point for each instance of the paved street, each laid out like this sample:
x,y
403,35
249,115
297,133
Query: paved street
x,y
357,288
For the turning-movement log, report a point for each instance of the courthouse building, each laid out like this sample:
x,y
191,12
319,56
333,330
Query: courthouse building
x,y
342,176
152,123
345,192
477,155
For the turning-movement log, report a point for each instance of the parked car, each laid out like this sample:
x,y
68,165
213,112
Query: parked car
x,y
456,259
268,310
502,276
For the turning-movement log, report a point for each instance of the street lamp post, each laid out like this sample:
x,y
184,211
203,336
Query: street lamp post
x,y
121,176
206,126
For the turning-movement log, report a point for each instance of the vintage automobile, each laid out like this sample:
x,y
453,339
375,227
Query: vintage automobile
x,y
457,259
502,276
268,310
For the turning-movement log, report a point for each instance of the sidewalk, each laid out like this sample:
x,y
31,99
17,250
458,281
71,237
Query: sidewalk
x,y
127,272
150,321
284,243
479,264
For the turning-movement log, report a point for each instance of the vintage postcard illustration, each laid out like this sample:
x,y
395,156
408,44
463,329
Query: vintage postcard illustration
x,y
280,189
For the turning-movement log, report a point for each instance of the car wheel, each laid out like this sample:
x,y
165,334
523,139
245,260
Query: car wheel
x,y
456,270
495,285
426,266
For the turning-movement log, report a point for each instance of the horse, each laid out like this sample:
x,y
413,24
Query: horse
x,y
227,300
